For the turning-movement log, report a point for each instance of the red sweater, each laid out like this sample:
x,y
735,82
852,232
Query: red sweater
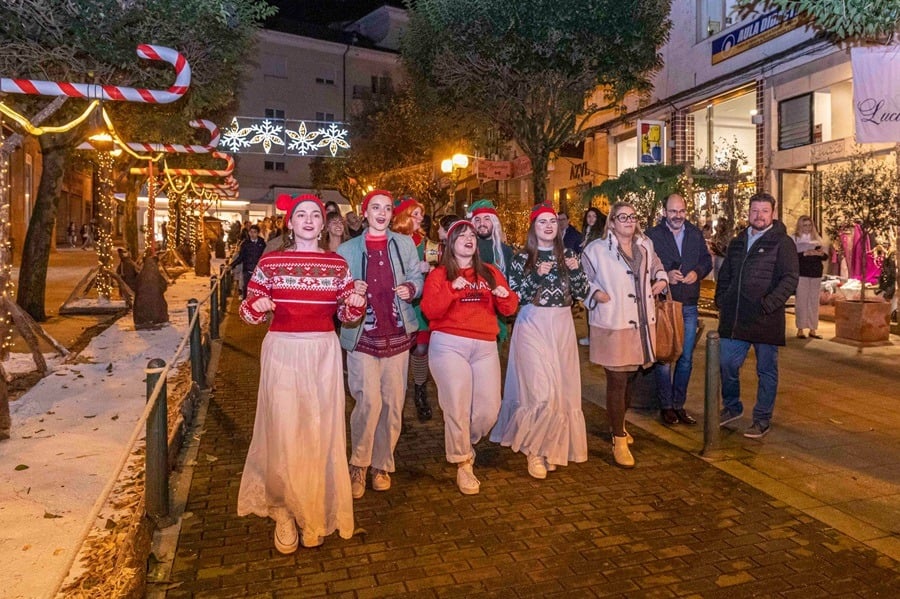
x,y
307,288
469,312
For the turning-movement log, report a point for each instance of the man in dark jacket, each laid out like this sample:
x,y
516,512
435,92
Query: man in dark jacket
x,y
682,249
759,273
251,250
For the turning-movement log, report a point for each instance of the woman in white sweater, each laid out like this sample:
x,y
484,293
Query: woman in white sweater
x,y
625,275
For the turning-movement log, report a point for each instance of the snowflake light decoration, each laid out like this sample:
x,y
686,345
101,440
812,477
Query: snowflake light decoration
x,y
333,138
303,142
267,134
235,137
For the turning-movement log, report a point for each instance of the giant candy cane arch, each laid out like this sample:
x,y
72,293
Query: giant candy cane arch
x,y
112,92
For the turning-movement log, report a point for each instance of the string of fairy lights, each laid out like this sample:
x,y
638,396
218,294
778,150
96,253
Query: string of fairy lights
x,y
6,328
106,214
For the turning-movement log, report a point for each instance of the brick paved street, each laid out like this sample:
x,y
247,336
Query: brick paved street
x,y
674,526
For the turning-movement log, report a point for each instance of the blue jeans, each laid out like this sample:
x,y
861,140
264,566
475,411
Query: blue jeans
x,y
672,391
732,353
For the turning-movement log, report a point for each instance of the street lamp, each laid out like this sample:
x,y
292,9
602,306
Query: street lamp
x,y
457,162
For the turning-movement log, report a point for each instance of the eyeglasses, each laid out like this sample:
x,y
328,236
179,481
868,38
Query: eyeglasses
x,y
625,218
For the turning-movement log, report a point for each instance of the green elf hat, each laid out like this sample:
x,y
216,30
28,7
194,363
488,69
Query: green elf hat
x,y
482,206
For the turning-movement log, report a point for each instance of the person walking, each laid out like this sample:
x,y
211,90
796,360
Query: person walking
x,y
491,247
248,256
296,468
72,234
811,256
625,275
386,267
758,275
407,220
682,249
540,414
461,301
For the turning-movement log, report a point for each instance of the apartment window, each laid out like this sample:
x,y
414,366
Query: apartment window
x,y
381,85
715,15
795,122
325,116
274,114
274,66
325,77
274,165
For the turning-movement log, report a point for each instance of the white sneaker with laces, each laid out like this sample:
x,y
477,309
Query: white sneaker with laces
x,y
536,467
465,479
584,341
357,481
381,480
286,539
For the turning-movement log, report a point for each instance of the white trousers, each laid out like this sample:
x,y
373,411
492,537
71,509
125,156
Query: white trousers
x,y
467,374
379,387
807,306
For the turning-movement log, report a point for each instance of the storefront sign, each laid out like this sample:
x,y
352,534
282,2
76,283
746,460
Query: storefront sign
x,y
827,151
650,142
521,166
754,33
876,93
579,171
492,170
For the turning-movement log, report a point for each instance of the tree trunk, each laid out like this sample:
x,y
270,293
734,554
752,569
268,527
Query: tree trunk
x,y
36,251
131,227
539,177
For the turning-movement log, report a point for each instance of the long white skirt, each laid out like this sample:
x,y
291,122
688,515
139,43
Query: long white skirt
x,y
541,409
297,462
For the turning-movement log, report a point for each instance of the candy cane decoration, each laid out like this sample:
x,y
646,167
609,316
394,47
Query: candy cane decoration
x,y
92,91
195,172
168,148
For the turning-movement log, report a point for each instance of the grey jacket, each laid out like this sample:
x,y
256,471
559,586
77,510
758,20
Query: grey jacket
x,y
404,264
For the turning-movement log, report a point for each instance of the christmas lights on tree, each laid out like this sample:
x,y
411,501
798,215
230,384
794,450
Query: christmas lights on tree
x,y
6,285
105,193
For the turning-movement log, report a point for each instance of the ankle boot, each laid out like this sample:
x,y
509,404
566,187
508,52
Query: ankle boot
x,y
621,453
420,397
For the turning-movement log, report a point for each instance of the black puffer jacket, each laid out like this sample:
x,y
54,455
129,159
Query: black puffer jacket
x,y
753,287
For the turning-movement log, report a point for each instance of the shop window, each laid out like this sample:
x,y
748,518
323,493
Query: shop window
x,y
795,122
715,15
626,154
720,126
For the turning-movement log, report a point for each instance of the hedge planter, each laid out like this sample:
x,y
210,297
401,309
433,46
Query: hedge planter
x,y
866,323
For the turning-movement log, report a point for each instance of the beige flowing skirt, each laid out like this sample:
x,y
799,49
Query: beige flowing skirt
x,y
297,462
541,409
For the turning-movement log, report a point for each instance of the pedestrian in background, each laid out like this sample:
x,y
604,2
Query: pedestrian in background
x,y
682,250
296,467
811,256
334,234
248,256
758,275
407,220
386,267
592,224
571,237
461,301
625,275
72,234
354,224
540,414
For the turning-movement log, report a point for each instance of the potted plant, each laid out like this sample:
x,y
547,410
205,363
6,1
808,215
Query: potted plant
x,y
861,195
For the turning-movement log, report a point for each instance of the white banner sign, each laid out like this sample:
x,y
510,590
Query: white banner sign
x,y
876,93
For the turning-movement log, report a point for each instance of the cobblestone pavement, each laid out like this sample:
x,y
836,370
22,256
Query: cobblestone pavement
x,y
672,527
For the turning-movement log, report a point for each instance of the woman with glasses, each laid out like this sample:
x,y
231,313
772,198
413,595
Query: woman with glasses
x,y
624,276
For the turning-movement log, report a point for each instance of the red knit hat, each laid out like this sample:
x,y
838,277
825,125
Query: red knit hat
x,y
540,209
372,194
459,223
406,203
288,204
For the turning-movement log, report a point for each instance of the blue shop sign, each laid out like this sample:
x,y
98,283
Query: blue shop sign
x,y
754,33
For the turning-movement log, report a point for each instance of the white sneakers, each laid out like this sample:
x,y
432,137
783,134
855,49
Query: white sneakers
x,y
465,478
584,341
536,467
381,480
357,481
286,536
311,540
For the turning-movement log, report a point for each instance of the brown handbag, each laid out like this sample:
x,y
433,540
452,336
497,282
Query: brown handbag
x,y
669,330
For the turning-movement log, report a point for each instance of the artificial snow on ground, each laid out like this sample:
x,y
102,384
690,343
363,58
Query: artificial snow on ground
x,y
69,434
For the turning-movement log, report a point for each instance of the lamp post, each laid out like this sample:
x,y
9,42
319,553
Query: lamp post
x,y
453,167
